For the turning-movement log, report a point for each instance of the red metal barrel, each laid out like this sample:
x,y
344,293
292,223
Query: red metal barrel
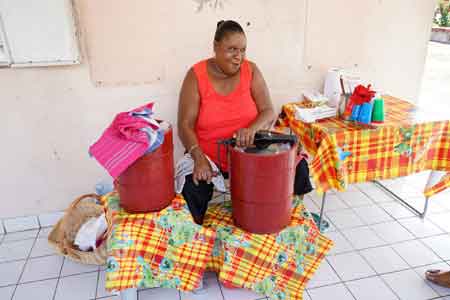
x,y
147,185
261,189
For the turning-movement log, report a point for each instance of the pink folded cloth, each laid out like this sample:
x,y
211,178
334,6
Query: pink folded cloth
x,y
123,142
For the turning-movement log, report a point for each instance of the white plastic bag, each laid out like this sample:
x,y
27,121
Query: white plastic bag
x,y
90,232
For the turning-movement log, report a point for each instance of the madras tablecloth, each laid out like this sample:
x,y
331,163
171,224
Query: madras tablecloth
x,y
150,250
163,249
345,152
275,265
440,185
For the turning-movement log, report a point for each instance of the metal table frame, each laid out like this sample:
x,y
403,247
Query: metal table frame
x,y
391,193
404,202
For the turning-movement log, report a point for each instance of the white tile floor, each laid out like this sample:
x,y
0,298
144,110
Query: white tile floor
x,y
381,252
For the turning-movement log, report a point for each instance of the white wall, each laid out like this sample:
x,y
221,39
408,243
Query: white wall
x,y
52,115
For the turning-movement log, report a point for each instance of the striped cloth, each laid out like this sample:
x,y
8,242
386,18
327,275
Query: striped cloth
x,y
124,141
160,250
345,152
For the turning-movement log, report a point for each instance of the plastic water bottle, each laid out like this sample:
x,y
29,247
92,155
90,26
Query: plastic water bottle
x,y
103,187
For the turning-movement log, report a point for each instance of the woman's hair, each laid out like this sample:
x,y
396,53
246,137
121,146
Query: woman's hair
x,y
225,27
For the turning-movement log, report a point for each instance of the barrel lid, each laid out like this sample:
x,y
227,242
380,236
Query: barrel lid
x,y
271,149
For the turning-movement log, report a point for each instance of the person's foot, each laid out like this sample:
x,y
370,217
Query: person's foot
x,y
439,277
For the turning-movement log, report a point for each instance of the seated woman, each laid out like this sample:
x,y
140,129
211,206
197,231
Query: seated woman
x,y
221,97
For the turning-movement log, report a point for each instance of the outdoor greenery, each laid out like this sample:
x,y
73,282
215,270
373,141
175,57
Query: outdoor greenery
x,y
441,16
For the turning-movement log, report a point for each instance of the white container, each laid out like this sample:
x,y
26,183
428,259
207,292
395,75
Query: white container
x,y
332,87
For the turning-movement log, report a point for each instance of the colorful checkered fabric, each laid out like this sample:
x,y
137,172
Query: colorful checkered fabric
x,y
345,152
443,184
163,249
152,250
274,265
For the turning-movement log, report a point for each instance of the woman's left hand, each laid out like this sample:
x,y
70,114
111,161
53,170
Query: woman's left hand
x,y
245,137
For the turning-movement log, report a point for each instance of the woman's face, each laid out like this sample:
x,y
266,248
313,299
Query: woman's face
x,y
230,52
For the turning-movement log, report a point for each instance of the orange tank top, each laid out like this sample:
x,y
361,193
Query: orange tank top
x,y
221,116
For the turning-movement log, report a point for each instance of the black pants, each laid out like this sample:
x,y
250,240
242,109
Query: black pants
x,y
198,196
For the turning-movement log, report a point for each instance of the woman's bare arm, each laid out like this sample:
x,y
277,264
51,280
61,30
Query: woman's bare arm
x,y
261,95
188,109
266,114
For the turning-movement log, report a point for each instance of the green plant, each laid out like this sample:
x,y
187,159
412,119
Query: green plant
x,y
444,20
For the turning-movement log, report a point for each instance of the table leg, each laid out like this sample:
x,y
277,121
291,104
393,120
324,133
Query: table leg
x,y
397,197
425,208
129,294
321,210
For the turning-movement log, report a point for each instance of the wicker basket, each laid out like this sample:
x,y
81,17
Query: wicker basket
x,y
63,233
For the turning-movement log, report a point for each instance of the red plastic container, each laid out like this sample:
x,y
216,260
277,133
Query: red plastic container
x,y
261,189
147,185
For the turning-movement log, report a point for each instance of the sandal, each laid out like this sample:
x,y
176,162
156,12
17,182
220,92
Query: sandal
x,y
438,277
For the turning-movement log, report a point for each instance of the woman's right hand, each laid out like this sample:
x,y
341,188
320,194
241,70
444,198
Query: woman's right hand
x,y
202,170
